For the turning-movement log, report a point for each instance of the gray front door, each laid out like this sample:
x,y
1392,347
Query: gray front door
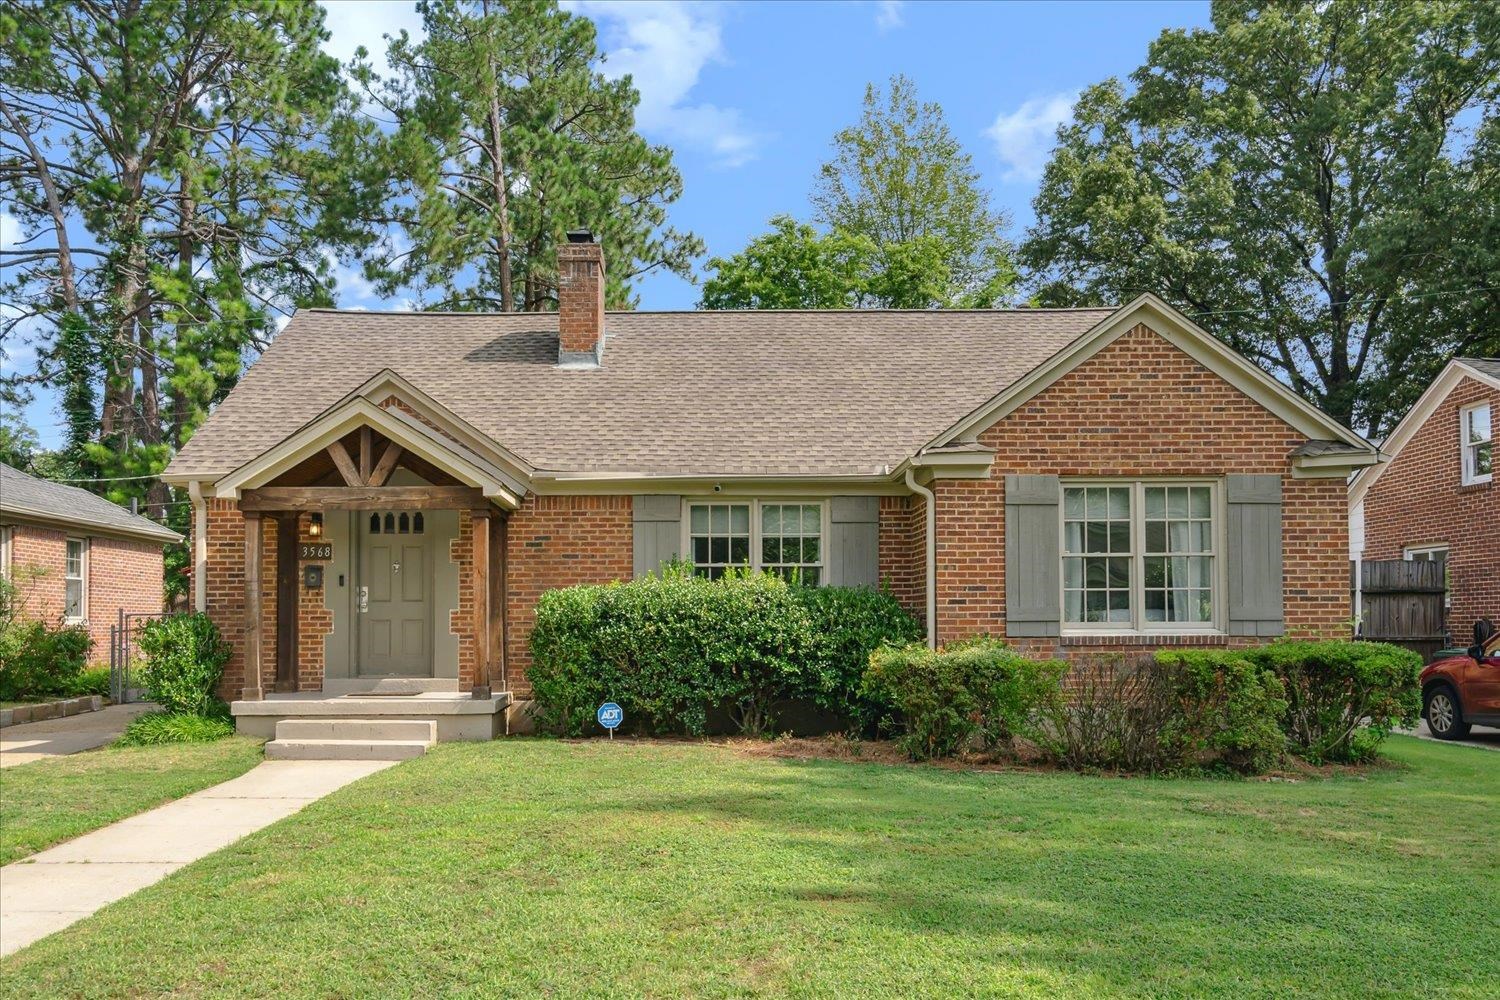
x,y
394,597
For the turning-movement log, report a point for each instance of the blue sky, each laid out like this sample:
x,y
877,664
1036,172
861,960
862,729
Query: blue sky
x,y
750,94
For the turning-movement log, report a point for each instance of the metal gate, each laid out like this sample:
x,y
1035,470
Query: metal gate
x,y
124,658
1402,603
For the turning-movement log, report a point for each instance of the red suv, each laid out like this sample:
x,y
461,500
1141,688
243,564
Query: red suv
x,y
1463,691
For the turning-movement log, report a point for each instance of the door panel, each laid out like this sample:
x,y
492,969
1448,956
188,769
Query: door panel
x,y
395,633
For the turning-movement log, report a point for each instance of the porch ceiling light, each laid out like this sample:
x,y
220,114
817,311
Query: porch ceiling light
x,y
315,527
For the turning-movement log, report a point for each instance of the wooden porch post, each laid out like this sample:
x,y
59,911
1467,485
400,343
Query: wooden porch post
x,y
252,684
479,564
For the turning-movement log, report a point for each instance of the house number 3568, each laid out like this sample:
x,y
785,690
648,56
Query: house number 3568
x,y
316,550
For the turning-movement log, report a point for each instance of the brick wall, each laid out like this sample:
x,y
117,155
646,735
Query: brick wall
x,y
903,546
557,541
1140,407
122,574
1419,499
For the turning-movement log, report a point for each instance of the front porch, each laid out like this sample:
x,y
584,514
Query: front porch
x,y
372,573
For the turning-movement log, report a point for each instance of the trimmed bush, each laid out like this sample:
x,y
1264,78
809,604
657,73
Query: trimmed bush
x,y
975,693
185,658
37,659
159,728
848,624
1180,711
1343,698
1228,710
673,649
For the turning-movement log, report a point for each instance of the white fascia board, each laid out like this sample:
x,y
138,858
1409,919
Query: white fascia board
x,y
335,424
1406,428
1184,334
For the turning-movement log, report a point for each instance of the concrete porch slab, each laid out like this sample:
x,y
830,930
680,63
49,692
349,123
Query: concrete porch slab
x,y
458,716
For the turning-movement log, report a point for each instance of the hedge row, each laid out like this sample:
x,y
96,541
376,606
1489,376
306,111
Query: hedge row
x,y
41,659
673,650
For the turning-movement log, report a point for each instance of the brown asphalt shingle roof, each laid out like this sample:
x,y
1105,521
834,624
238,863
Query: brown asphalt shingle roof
x,y
718,393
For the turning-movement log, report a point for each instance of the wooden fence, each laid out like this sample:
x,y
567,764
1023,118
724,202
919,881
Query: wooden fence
x,y
1402,602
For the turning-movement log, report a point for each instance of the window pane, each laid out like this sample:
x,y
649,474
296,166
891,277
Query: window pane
x,y
1094,606
739,519
1198,504
1073,536
1479,424
1156,536
739,550
74,599
1156,572
1095,573
1177,536
1119,503
718,550
1073,605
812,519
1119,536
810,550
1156,501
770,550
1073,503
1202,536
1073,573
811,576
770,519
1177,501
1119,573
718,519
1097,506
700,551
1483,460
1156,606
791,520
700,520
1098,536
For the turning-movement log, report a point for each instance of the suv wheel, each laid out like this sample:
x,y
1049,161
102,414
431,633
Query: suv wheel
x,y
1444,719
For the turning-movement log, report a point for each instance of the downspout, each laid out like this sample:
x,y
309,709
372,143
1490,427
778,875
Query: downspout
x,y
200,546
931,560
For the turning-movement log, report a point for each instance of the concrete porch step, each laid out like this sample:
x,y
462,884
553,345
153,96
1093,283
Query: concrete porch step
x,y
351,739
357,729
346,749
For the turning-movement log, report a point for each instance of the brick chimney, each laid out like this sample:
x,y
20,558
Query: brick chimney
x,y
580,301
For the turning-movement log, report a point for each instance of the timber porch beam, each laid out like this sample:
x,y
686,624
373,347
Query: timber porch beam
x,y
277,498
345,464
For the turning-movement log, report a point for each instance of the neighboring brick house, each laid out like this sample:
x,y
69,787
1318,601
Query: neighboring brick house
x,y
75,557
383,498
1436,497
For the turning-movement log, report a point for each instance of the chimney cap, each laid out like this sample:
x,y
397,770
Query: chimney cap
x,y
580,236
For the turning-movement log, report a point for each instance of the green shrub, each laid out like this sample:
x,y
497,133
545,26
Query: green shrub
x,y
158,728
848,624
93,680
1342,697
1178,711
37,659
669,649
185,658
1228,710
974,692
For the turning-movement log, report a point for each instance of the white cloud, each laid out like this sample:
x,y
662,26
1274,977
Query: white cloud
x,y
352,23
1024,138
888,14
10,231
664,47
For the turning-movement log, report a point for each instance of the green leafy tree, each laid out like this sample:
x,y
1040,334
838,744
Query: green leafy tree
x,y
18,442
1317,182
901,179
506,136
794,266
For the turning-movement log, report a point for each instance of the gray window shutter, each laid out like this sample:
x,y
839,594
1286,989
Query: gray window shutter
x,y
1254,554
1033,556
854,546
658,531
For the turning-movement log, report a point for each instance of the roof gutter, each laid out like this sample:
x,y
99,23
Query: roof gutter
x,y
931,554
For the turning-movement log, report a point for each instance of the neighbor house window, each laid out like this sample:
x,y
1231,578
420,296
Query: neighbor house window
x,y
1427,553
75,580
1140,556
1478,444
5,551
780,537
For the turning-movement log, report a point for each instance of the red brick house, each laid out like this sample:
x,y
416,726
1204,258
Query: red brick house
x,y
383,497
1436,499
75,557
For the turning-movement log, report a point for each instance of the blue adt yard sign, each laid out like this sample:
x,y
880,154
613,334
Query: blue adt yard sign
x,y
610,716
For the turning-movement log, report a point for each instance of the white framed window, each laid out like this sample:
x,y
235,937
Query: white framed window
x,y
75,580
1476,435
1426,553
1141,556
5,543
785,537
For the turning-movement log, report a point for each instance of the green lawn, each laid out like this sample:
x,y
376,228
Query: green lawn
x,y
528,867
49,801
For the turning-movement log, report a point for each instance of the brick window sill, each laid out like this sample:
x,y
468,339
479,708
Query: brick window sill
x,y
1145,639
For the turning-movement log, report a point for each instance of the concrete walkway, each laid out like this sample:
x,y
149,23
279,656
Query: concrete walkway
x,y
56,737
48,891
